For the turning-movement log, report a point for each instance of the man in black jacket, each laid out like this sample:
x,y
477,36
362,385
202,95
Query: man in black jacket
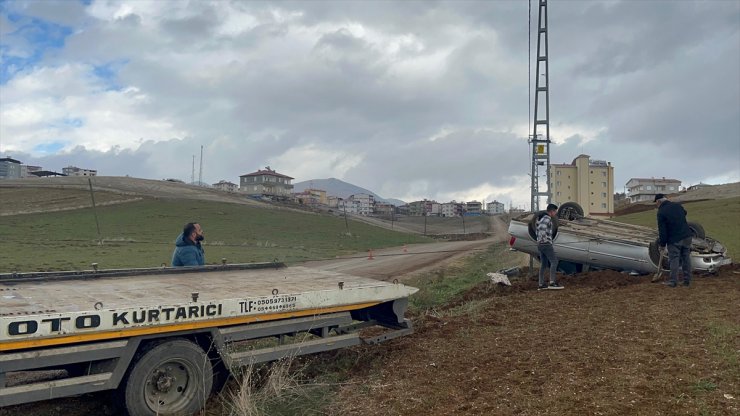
x,y
675,234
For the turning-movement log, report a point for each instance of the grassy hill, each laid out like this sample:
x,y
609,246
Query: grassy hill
x,y
142,233
720,219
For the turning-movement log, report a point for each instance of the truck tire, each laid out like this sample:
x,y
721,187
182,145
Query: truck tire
x,y
697,230
570,211
172,378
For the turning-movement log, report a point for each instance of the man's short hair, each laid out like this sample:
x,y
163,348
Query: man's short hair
x,y
188,229
658,197
552,207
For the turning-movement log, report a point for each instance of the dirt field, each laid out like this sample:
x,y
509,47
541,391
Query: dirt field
x,y
608,344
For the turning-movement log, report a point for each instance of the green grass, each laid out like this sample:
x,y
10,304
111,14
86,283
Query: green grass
x,y
142,234
720,219
442,286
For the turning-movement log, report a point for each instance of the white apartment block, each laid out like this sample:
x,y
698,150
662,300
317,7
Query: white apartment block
x,y
75,171
349,206
495,207
588,182
450,209
645,189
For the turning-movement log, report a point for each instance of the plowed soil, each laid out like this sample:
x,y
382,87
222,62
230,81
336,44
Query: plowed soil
x,y
607,344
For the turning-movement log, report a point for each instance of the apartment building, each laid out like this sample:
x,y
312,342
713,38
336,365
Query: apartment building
x,y
10,168
586,181
451,209
384,209
495,207
226,186
364,203
473,208
75,171
645,189
266,182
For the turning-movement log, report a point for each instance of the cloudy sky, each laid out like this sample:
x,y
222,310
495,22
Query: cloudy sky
x,y
408,99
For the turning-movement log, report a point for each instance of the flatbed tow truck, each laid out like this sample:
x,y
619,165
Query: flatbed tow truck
x,y
164,337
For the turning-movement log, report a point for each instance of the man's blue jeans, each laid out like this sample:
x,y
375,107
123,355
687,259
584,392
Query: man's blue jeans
x,y
679,254
547,259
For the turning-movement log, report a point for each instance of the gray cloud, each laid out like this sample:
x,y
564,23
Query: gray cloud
x,y
362,87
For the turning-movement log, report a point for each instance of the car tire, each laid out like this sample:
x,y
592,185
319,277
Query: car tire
x,y
570,211
532,225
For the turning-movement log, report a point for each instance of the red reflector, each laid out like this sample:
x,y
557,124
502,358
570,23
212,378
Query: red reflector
x,y
511,241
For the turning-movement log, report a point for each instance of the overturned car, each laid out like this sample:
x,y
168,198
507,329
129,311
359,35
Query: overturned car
x,y
583,243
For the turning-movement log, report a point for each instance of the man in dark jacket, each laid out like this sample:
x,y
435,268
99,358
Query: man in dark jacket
x,y
188,251
675,234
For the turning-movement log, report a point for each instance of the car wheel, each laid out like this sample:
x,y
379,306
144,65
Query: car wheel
x,y
570,211
532,225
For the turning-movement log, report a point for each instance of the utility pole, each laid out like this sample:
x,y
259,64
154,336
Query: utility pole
x,y
540,144
192,172
200,174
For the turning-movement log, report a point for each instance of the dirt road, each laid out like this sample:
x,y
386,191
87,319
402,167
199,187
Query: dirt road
x,y
403,262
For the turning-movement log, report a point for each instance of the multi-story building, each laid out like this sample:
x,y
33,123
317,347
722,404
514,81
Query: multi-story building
x,y
266,182
451,209
365,203
319,195
588,182
75,171
495,207
384,209
10,168
417,208
226,186
435,209
348,206
645,189
473,208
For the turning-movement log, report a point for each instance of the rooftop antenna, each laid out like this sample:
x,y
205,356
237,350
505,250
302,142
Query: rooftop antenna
x,y
540,144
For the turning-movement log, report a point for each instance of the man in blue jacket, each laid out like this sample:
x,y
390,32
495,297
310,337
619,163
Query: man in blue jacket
x,y
188,251
674,232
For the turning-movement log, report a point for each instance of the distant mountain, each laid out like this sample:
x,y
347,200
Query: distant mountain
x,y
335,187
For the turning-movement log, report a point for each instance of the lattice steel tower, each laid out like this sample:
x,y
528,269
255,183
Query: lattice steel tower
x,y
540,145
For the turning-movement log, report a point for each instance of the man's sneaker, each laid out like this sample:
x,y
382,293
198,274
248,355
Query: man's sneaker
x,y
541,287
670,284
555,285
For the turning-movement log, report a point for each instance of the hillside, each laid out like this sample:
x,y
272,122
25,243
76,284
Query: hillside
x,y
47,224
336,187
724,191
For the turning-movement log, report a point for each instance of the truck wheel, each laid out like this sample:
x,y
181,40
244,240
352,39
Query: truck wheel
x,y
172,378
570,211
697,230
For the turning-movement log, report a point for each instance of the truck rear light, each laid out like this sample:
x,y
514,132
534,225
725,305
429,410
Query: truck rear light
x,y
512,240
